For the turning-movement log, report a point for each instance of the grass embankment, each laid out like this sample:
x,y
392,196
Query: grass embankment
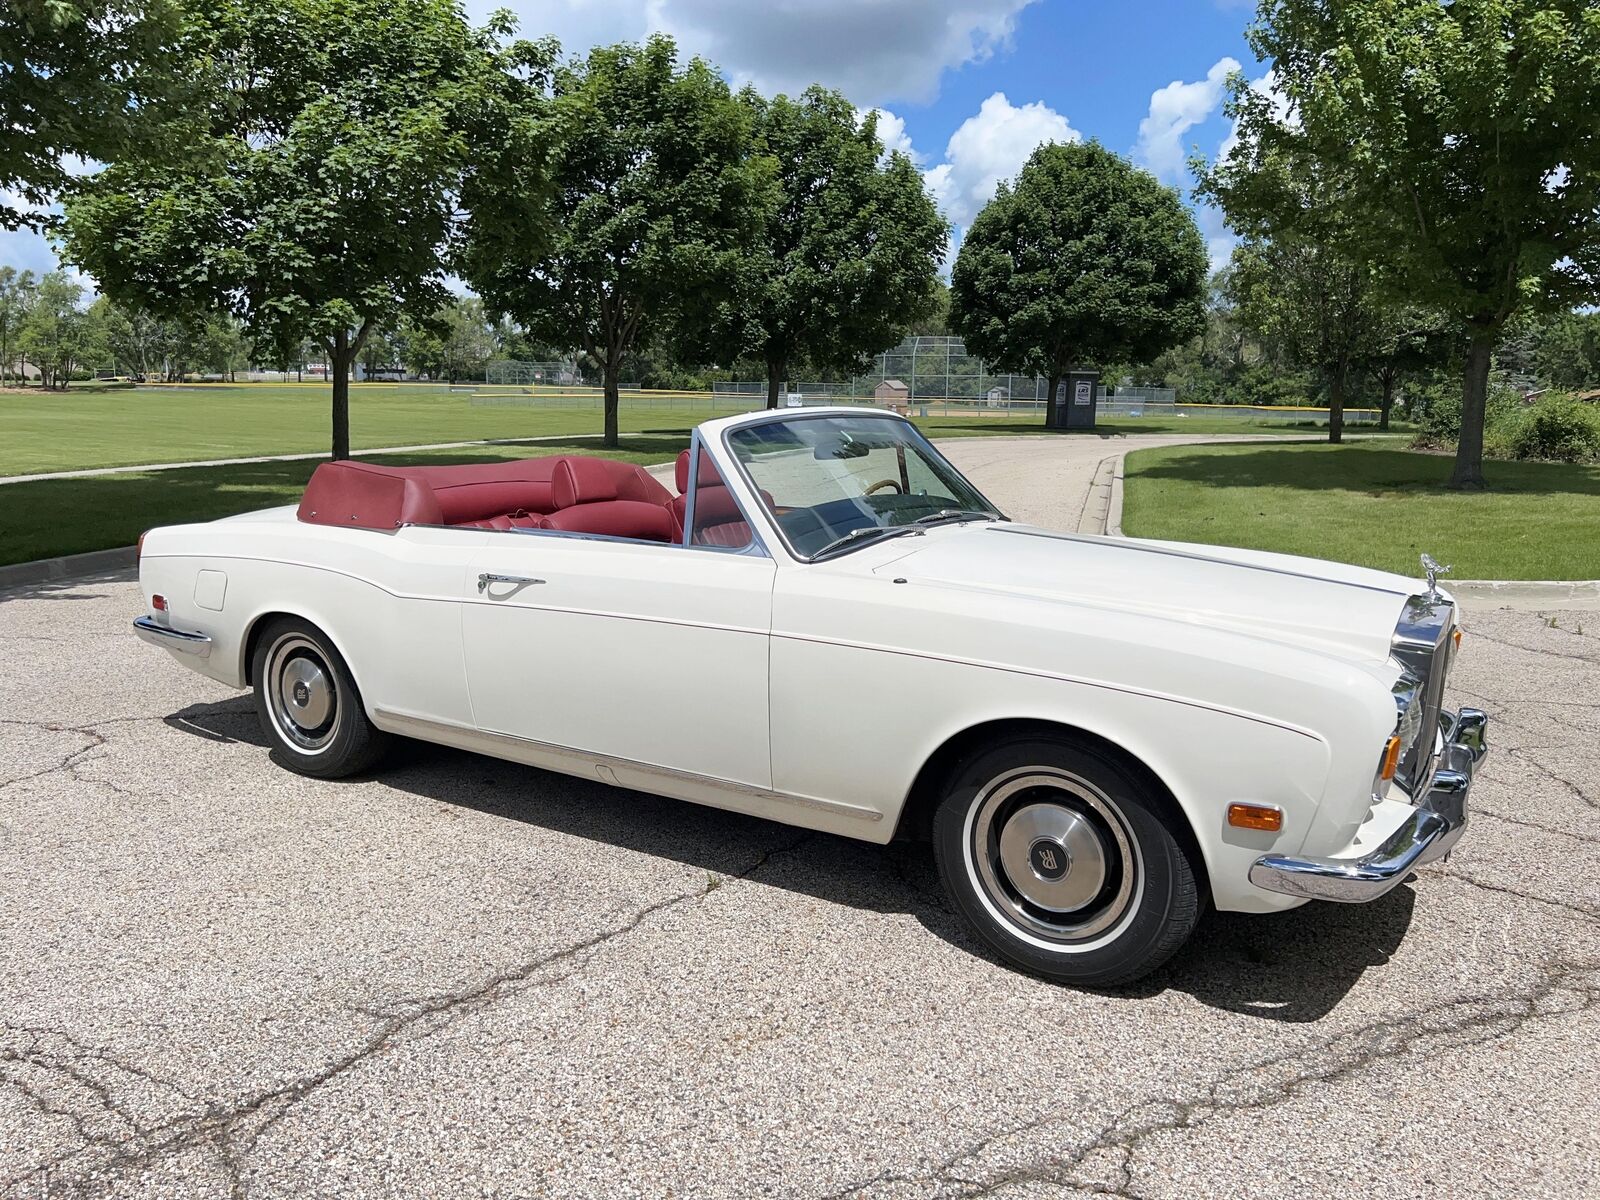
x,y
48,517
1371,505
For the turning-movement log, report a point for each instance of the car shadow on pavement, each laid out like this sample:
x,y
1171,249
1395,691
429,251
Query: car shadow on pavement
x,y
1294,966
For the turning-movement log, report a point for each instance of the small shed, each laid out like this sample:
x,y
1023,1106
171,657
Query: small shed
x,y
892,393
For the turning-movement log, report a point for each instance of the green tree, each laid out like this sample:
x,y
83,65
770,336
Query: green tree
x,y
848,255
57,334
655,200
16,299
83,78
1316,306
320,200
1566,350
1406,342
1453,142
1083,259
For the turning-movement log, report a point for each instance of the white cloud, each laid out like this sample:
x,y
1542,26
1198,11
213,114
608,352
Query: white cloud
x,y
989,147
892,133
1174,110
872,50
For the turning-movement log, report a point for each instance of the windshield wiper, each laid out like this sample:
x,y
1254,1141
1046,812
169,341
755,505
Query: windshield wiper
x,y
955,514
887,531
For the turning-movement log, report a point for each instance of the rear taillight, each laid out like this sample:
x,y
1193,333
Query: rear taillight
x,y
159,603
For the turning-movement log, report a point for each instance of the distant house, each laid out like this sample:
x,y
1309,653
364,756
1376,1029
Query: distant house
x,y
999,396
892,393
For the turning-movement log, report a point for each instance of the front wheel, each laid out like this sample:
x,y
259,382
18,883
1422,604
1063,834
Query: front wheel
x,y
308,705
1064,862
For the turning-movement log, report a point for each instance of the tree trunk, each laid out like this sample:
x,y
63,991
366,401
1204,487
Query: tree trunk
x,y
1468,474
1336,382
775,374
1051,408
1387,403
341,357
612,370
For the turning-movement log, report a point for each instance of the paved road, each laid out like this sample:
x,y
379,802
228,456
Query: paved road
x,y
463,976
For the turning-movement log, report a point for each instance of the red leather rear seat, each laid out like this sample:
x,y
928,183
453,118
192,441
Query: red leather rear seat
x,y
595,495
496,495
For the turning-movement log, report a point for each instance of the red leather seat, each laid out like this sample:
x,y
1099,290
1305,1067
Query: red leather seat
x,y
591,495
717,519
495,495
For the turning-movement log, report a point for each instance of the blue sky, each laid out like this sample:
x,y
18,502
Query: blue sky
x,y
968,87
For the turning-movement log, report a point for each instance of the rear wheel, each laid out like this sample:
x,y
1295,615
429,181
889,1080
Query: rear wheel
x,y
1065,862
308,705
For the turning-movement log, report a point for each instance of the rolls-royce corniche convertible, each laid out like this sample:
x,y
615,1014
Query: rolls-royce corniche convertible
x,y
824,624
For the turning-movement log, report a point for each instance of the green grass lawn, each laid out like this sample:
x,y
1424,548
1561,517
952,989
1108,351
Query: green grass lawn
x,y
1372,505
70,516
42,432
87,427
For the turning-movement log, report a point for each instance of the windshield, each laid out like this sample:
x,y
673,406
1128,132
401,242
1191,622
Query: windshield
x,y
834,483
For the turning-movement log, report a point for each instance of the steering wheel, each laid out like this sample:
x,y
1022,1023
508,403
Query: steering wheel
x,y
886,483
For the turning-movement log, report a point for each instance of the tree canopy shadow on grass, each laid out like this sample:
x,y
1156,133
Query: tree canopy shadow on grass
x,y
49,517
1354,468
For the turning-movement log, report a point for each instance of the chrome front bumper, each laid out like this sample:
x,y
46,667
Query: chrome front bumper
x,y
182,641
1434,826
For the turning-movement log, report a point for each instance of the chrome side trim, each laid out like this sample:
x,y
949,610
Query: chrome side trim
x,y
1427,834
197,645
587,763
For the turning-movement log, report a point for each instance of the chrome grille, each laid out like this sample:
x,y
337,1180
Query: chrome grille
x,y
1421,645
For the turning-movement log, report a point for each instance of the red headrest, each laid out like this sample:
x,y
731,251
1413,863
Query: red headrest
x,y
583,481
709,475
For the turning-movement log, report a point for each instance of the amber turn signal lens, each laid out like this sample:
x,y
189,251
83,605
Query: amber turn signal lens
x,y
1255,816
1457,636
1391,758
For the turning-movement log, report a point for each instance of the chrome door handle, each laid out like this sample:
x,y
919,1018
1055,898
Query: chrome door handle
x,y
486,579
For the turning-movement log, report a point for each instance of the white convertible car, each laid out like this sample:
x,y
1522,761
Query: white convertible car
x,y
828,626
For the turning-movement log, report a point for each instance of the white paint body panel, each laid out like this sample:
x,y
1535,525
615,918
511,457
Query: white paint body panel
x,y
813,694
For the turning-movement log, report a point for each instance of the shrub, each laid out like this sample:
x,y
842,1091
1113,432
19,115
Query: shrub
x,y
1557,428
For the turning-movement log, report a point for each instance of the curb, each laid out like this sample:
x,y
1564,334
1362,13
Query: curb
x,y
1527,593
68,566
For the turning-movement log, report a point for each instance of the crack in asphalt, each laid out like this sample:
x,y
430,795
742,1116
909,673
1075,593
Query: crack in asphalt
x,y
1478,810
1489,637
1578,908
223,1130
72,762
1256,1087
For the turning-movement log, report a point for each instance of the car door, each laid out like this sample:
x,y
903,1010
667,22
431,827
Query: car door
x,y
649,653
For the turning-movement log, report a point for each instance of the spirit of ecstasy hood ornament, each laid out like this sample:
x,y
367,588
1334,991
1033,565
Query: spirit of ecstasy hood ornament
x,y
1434,570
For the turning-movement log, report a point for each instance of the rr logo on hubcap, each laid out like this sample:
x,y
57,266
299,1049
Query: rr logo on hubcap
x,y
1048,859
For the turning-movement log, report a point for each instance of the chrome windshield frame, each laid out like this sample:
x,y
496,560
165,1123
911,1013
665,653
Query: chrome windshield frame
x,y
781,416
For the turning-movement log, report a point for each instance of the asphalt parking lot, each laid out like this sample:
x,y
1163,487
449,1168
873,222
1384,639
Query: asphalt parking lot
x,y
462,976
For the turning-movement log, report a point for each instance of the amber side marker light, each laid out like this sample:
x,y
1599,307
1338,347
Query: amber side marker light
x,y
1255,816
1457,636
1391,758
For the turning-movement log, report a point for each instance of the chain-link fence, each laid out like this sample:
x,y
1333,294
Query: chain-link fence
x,y
933,371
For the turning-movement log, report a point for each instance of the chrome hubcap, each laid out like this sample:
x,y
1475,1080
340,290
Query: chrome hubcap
x,y
302,696
1053,855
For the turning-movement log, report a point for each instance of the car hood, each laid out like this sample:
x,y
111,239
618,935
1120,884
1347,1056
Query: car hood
x,y
1334,608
